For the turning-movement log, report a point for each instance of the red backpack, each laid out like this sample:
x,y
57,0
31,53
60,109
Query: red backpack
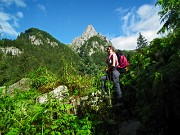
x,y
123,62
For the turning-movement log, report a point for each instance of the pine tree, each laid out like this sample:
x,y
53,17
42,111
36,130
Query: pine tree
x,y
141,41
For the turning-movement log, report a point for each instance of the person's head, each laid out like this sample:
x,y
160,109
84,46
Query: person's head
x,y
119,52
110,49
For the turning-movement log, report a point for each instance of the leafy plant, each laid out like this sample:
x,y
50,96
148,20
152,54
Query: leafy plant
x,y
23,115
44,80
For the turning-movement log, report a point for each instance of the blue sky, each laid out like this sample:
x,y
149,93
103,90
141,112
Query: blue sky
x,y
119,20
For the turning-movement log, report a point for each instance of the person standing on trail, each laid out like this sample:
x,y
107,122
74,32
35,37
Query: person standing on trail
x,y
112,72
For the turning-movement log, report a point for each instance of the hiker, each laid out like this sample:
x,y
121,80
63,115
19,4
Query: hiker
x,y
112,72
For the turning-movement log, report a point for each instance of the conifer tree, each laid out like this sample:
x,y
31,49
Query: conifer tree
x,y
141,41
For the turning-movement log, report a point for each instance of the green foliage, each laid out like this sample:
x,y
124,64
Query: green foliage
x,y
44,80
39,34
22,115
14,68
169,14
151,84
93,53
79,84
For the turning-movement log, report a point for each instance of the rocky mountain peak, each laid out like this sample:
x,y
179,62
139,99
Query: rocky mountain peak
x,y
87,44
88,33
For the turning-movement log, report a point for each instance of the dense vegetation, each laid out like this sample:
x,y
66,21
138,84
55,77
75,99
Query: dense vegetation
x,y
150,86
93,52
55,59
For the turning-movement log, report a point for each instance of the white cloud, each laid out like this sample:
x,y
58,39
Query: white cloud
x,y
4,16
120,10
8,22
19,3
19,14
7,28
125,43
145,20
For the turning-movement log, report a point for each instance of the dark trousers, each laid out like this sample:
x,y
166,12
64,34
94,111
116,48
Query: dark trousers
x,y
114,77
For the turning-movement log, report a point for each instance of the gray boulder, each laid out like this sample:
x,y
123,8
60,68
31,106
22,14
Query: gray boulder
x,y
59,93
22,85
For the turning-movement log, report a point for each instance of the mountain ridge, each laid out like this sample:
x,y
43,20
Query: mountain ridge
x,y
38,37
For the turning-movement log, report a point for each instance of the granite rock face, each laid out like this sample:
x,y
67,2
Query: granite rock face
x,y
60,93
88,33
37,41
22,85
12,50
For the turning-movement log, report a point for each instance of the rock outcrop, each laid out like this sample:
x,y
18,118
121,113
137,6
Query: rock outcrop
x,y
22,85
11,50
60,93
90,42
37,41
88,33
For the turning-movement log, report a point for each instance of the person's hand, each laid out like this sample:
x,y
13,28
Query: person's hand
x,y
107,70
